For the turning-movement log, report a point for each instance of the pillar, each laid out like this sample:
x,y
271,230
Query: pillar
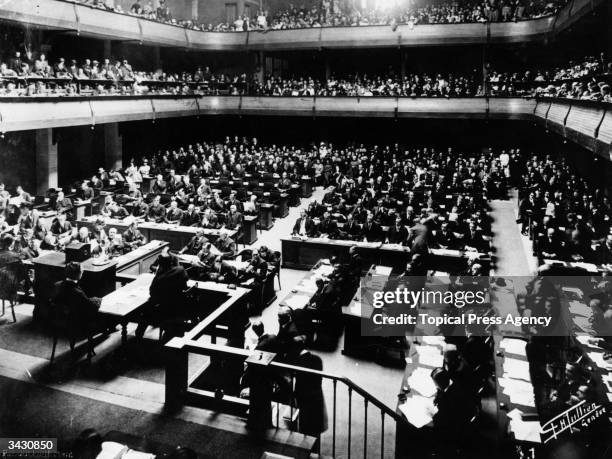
x,y
113,146
46,161
106,52
261,69
403,59
157,63
327,67
195,13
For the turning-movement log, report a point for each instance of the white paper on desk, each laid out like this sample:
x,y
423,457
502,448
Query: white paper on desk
x,y
383,270
419,411
513,346
575,290
580,309
430,356
526,430
588,340
597,358
324,270
112,450
307,285
516,369
132,454
433,340
297,301
515,414
421,382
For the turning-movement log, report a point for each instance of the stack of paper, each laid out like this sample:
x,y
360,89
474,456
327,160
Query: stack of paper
x,y
430,356
513,346
434,340
419,411
580,309
297,301
516,369
421,382
519,392
573,290
597,358
525,430
324,270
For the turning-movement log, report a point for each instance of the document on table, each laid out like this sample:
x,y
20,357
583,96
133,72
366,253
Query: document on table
x,y
324,270
419,411
430,356
516,369
573,290
597,358
433,340
421,382
580,309
526,430
513,346
307,285
297,301
519,392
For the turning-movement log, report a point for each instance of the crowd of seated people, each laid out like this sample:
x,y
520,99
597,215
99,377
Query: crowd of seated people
x,y
330,13
416,198
567,217
434,85
32,74
586,79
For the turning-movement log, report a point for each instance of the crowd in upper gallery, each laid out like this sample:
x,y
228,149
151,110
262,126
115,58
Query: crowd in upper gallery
x,y
330,13
31,74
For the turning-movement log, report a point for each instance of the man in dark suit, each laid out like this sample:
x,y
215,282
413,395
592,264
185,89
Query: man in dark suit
x,y
63,204
309,395
195,244
304,226
160,185
225,245
372,231
157,212
445,238
473,238
549,246
328,226
81,310
351,229
174,214
191,217
86,191
133,237
605,251
398,234
234,219
166,292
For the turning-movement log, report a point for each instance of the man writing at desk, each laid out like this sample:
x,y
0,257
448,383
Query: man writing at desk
x,y
225,245
132,236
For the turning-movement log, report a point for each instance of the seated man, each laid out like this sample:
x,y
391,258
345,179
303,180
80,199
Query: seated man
x,y
257,269
234,219
167,297
86,192
225,245
304,226
117,211
210,219
132,237
157,212
351,229
80,309
398,234
328,227
206,262
195,244
115,246
139,208
174,214
372,231
61,226
63,204
191,217
549,246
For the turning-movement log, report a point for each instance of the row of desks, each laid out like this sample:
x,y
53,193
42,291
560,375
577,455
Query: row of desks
x,y
99,277
177,236
300,253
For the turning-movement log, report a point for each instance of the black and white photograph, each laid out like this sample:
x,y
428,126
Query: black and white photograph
x,y
306,229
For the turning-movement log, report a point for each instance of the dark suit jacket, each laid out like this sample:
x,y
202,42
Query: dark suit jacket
x,y
167,287
234,220
191,219
77,305
309,225
398,235
328,227
372,232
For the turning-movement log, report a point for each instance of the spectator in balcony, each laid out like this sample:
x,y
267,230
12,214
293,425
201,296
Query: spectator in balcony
x,y
136,8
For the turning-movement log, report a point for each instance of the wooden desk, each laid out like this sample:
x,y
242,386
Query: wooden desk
x,y
282,206
303,253
306,183
178,236
250,229
82,209
139,260
97,280
146,186
266,217
125,302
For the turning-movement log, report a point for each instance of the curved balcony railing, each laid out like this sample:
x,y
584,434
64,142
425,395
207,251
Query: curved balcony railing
x,y
587,123
85,20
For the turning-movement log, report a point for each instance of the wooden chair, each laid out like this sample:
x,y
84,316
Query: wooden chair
x,y
62,325
9,285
